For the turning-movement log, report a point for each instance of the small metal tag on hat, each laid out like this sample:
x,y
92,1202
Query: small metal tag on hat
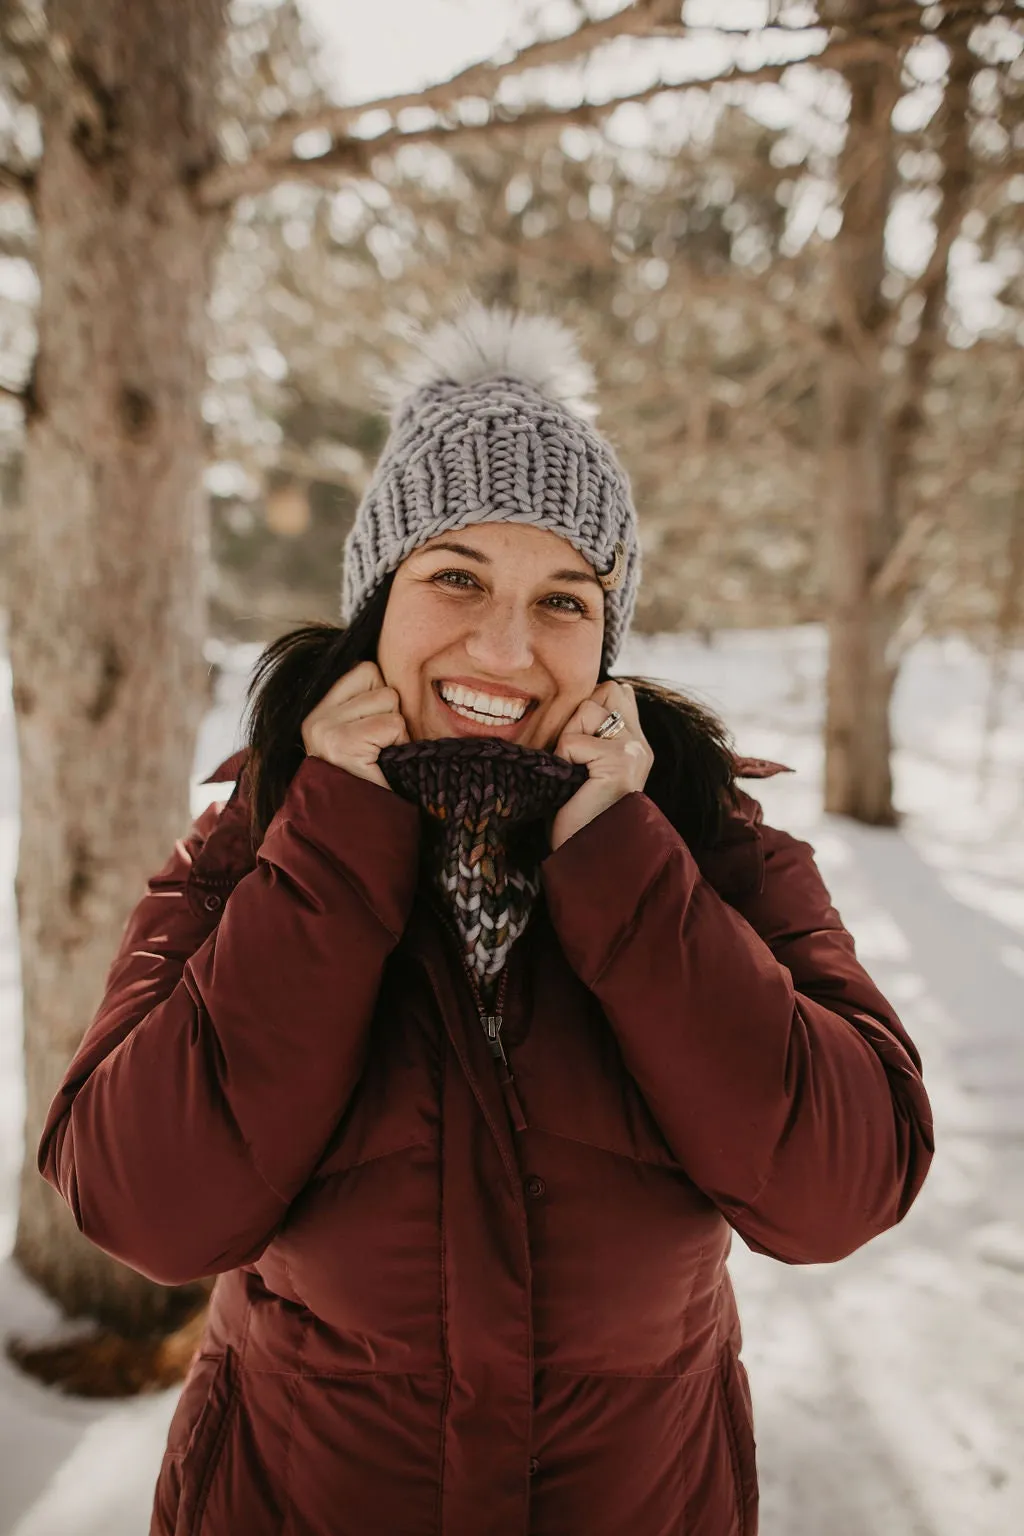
x,y
614,578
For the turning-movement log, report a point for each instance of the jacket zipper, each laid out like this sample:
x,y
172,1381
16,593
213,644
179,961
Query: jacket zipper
x,y
492,1026
492,1022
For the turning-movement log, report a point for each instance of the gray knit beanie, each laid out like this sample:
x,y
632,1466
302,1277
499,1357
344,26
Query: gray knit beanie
x,y
491,424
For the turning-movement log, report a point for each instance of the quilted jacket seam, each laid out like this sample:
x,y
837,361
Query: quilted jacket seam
x,y
351,880
319,1176
631,927
594,1146
197,998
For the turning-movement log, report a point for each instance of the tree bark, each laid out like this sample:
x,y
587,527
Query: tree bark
x,y
859,509
107,586
869,458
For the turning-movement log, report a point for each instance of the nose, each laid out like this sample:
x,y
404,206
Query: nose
x,y
499,641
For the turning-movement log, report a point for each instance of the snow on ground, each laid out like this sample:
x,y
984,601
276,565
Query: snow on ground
x,y
888,1389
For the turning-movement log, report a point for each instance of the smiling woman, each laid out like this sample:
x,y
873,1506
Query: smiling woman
x,y
497,634
458,1042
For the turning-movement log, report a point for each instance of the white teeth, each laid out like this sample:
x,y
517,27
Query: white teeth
x,y
487,707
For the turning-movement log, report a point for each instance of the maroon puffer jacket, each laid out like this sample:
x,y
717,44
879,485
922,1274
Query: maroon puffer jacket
x,y
445,1309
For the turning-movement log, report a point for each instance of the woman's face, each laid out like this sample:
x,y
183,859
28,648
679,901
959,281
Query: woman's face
x,y
493,630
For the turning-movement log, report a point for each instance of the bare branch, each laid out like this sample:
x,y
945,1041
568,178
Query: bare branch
x,y
908,17
639,18
15,183
298,461
985,195
980,456
894,574
351,157
954,185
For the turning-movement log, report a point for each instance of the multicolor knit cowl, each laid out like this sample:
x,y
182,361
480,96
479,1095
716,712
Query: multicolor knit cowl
x,y
488,802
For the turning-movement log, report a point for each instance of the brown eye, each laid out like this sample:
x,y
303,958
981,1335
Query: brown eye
x,y
455,578
563,602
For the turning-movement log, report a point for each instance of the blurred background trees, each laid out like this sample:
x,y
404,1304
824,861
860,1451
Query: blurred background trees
x,y
789,234
106,537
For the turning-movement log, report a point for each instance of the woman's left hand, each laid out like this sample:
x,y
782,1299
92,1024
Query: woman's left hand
x,y
616,766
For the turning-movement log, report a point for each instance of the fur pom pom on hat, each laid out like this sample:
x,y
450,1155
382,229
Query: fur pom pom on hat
x,y
492,422
491,343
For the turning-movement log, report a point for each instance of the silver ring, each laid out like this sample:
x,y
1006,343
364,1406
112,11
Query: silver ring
x,y
611,726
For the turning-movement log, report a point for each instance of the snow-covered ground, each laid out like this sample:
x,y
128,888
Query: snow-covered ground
x,y
889,1389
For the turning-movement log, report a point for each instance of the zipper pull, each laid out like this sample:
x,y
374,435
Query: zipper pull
x,y
492,1023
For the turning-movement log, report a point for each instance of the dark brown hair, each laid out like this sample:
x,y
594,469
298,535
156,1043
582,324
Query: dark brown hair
x,y
690,782
290,678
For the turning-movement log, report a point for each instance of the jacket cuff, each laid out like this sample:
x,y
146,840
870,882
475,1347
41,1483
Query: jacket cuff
x,y
367,832
595,883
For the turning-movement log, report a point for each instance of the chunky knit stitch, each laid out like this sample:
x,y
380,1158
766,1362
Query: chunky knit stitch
x,y
494,447
487,800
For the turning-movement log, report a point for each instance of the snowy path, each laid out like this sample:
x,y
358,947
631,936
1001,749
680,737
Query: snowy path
x,y
889,1389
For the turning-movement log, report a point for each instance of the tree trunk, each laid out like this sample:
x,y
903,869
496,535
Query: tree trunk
x,y
869,460
107,584
859,510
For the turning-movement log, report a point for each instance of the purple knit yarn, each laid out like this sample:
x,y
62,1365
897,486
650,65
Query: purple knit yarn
x,y
488,801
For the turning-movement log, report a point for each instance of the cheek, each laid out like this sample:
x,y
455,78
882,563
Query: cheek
x,y
395,660
578,666
410,638
575,671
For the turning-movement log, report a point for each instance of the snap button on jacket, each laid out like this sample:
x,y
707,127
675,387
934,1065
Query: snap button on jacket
x,y
428,1322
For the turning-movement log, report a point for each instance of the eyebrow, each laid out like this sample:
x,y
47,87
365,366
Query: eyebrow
x,y
469,553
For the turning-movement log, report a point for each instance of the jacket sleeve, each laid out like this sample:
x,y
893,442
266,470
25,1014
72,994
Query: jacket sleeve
x,y
778,1074
222,1057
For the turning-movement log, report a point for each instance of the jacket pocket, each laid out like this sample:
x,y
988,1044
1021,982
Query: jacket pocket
x,y
196,1437
739,1426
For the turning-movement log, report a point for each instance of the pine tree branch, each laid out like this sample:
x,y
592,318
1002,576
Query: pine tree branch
x,y
352,156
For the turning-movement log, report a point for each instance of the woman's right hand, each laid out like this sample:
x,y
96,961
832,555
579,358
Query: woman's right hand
x,y
356,718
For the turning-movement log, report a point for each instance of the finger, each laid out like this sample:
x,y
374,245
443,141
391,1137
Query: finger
x,y
575,725
620,696
584,721
375,775
598,755
356,724
576,746
380,701
594,714
593,711
362,678
387,731
623,698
